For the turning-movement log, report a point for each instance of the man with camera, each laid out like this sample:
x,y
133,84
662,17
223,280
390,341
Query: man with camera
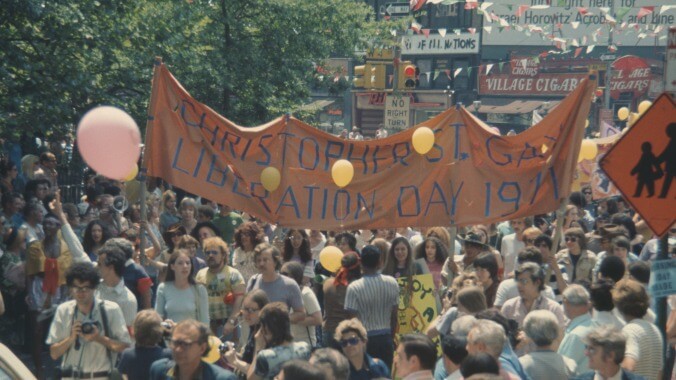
x,y
87,333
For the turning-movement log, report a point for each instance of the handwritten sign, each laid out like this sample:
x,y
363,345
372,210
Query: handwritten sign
x,y
417,304
470,176
663,278
397,109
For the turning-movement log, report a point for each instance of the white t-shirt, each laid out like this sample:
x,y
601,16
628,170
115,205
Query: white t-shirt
x,y
509,249
306,334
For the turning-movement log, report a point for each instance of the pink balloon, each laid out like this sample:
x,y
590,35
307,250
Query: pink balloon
x,y
109,141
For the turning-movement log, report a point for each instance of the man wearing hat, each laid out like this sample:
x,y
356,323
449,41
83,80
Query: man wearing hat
x,y
473,248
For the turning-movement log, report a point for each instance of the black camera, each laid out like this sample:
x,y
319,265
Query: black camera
x,y
88,326
68,371
225,347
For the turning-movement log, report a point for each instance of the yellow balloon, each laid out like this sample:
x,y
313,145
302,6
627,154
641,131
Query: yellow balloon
x,y
586,123
270,178
423,140
632,118
132,174
342,172
580,157
330,258
643,106
623,113
213,354
589,149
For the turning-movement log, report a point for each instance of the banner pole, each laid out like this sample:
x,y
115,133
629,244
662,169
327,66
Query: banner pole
x,y
144,156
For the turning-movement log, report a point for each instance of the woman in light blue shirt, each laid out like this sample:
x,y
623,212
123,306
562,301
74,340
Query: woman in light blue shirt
x,y
179,297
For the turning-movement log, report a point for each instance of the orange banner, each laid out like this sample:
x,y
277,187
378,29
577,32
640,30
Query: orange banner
x,y
470,176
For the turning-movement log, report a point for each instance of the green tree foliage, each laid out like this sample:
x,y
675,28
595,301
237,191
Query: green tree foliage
x,y
249,60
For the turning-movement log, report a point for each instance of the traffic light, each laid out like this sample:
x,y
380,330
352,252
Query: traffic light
x,y
363,75
407,76
378,80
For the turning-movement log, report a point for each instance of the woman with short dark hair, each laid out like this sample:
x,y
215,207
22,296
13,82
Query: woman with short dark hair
x,y
274,343
486,268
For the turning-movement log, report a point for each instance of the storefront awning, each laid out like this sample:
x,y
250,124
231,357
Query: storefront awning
x,y
511,106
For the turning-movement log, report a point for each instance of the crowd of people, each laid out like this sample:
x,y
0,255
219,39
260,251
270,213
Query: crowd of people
x,y
193,289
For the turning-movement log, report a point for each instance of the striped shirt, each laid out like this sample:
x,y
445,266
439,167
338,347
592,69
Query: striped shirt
x,y
373,297
644,344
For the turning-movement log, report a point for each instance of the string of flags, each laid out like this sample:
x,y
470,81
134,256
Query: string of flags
x,y
547,31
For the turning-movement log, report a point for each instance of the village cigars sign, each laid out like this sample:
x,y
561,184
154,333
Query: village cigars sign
x,y
470,176
523,77
539,84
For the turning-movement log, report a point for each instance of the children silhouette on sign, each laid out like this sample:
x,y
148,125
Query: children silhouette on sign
x,y
644,170
648,169
669,157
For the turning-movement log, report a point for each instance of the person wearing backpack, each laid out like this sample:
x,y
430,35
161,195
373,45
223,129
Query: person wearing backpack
x,y
87,333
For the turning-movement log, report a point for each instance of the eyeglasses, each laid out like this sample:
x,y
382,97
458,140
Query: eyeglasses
x,y
523,281
183,344
571,238
249,310
590,349
81,289
295,238
349,342
529,241
212,253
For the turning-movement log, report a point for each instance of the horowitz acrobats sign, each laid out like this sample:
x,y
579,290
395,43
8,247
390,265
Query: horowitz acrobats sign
x,y
470,176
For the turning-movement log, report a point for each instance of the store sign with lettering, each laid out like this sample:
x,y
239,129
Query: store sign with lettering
x,y
542,84
463,43
630,74
524,66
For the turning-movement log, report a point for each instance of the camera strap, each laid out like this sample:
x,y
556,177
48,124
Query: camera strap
x,y
104,319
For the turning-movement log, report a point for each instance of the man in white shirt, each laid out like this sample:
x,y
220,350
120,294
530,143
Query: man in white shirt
x,y
512,244
86,333
111,266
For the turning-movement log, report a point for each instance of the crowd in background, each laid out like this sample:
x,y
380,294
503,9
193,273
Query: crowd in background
x,y
104,290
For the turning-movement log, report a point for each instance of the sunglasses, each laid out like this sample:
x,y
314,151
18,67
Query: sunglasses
x,y
349,342
183,344
571,238
249,310
212,253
